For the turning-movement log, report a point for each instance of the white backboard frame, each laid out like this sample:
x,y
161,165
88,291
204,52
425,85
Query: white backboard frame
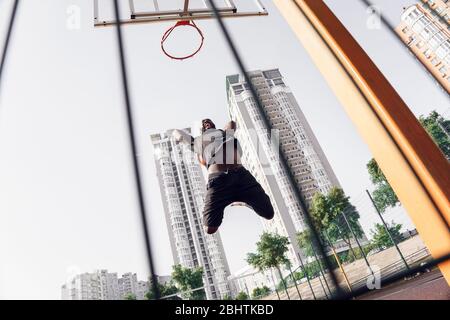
x,y
228,11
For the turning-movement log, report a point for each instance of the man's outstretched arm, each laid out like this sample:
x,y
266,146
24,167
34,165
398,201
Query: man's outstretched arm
x,y
183,137
201,160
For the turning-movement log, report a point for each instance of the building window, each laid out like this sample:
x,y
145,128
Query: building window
x,y
438,39
435,61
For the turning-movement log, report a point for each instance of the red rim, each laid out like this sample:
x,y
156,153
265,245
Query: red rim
x,y
166,35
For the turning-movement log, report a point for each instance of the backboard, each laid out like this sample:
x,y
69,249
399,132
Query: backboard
x,y
148,11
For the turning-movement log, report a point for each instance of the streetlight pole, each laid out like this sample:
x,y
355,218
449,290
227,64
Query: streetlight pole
x,y
387,229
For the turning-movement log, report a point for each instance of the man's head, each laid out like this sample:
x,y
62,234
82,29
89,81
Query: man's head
x,y
207,124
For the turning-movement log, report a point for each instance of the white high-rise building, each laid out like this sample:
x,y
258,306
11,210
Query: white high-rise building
x,y
128,284
142,288
99,285
183,190
65,292
102,285
305,157
249,278
109,285
424,28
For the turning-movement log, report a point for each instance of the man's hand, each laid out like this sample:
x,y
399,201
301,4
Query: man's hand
x,y
201,160
230,126
177,135
181,136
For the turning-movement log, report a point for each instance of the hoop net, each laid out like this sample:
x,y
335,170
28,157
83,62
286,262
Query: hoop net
x,y
183,23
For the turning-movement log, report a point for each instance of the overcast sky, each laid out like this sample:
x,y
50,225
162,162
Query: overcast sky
x,y
67,198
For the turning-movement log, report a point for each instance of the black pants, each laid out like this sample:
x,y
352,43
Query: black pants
x,y
237,185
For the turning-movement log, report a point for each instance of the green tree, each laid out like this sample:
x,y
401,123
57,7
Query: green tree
x,y
130,296
383,195
345,217
169,289
260,292
304,240
227,297
270,253
165,290
437,127
187,279
328,213
242,296
299,275
325,218
150,295
380,237
312,269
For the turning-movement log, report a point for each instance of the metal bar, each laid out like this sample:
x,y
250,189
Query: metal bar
x,y
156,5
155,19
410,160
95,11
307,276
230,4
387,229
178,12
357,242
8,37
131,5
133,153
260,5
284,283
274,284
248,292
322,271
205,3
295,282
338,261
186,7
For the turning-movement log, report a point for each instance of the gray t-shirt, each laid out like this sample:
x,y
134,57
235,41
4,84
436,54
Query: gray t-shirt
x,y
217,146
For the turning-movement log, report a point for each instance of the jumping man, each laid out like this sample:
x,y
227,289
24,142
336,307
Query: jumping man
x,y
228,180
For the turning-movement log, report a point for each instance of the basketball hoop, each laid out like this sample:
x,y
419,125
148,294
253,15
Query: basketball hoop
x,y
187,23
